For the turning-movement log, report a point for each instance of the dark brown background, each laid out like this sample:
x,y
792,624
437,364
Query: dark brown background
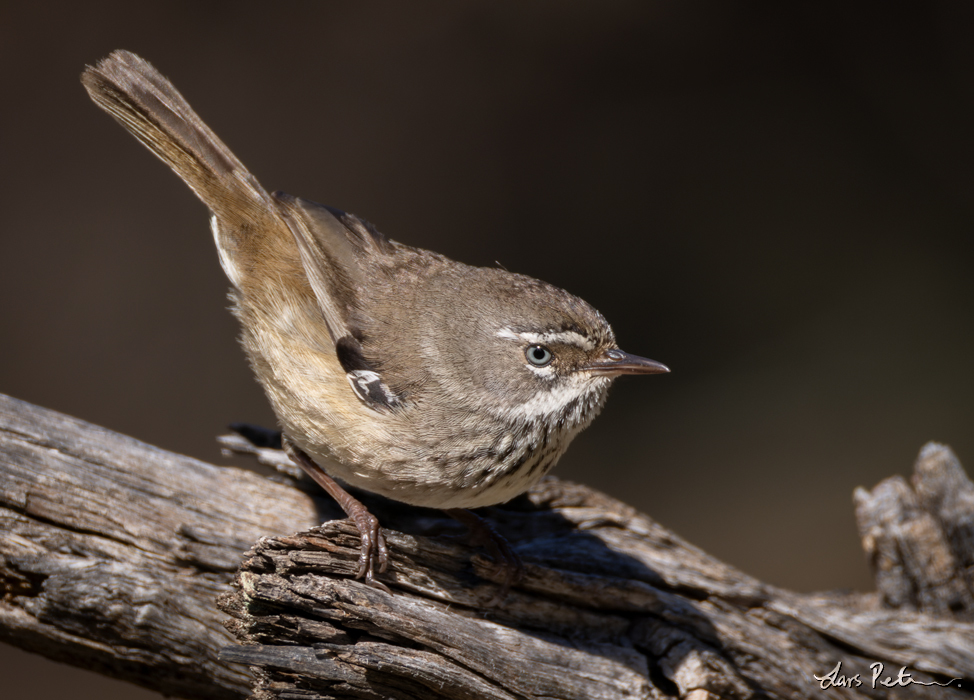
x,y
775,201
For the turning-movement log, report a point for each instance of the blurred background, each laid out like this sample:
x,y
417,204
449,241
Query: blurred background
x,y
774,199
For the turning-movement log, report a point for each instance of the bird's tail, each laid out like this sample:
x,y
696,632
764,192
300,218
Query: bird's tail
x,y
147,105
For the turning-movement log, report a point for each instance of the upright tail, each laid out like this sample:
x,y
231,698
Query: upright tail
x,y
147,105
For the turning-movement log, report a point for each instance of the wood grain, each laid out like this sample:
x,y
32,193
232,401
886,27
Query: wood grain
x,y
113,554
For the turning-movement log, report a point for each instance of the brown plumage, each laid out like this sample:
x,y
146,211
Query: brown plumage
x,y
393,368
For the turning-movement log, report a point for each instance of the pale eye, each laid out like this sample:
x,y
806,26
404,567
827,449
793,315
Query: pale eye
x,y
539,355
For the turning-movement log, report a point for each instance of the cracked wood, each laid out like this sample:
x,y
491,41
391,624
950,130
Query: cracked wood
x,y
113,552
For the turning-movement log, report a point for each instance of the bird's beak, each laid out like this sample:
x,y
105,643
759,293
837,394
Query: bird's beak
x,y
614,362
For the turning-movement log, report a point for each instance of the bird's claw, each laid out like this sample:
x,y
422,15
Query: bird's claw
x,y
373,553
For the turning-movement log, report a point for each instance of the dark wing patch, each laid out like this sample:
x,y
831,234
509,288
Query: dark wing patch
x,y
349,352
371,390
362,377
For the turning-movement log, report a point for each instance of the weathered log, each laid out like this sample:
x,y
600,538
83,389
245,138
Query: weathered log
x,y
112,552
920,537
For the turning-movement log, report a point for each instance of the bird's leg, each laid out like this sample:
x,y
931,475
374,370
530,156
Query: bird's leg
x,y
373,554
506,560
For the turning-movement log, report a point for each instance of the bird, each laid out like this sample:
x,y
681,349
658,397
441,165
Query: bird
x,y
390,368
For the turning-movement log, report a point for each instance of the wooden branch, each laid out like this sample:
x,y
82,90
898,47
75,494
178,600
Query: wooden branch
x,y
920,538
112,552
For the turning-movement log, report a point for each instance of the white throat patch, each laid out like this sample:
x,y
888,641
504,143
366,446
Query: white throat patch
x,y
551,401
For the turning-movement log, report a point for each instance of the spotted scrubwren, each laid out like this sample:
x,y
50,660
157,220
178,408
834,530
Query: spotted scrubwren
x,y
391,368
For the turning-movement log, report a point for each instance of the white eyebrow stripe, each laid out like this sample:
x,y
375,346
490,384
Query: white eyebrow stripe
x,y
564,337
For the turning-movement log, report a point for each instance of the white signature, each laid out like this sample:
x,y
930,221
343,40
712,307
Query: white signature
x,y
835,678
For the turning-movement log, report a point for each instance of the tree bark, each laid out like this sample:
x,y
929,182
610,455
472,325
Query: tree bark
x,y
113,553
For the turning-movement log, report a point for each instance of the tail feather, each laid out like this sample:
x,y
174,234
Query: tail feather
x,y
143,101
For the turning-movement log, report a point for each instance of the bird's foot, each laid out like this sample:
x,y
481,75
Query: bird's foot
x,y
373,553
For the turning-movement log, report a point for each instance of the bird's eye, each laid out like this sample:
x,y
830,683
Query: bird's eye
x,y
539,355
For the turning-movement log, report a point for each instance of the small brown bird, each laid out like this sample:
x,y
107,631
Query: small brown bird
x,y
403,372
